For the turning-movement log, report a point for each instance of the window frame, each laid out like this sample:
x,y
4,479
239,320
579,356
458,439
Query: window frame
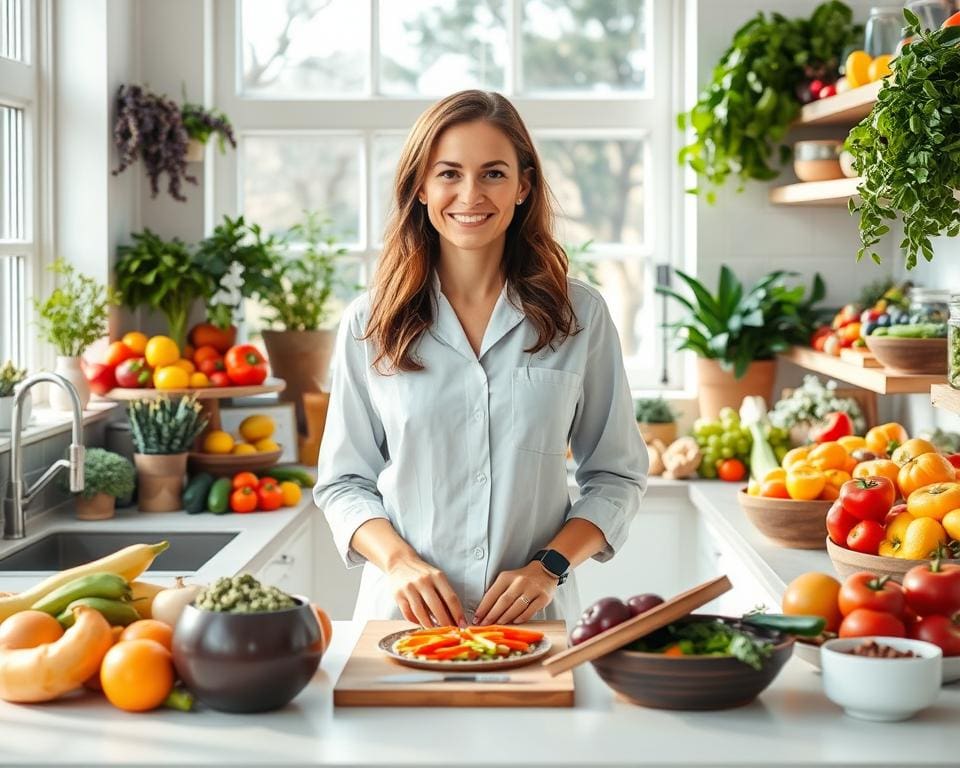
x,y
648,115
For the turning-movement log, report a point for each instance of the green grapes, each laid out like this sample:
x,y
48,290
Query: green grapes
x,y
723,438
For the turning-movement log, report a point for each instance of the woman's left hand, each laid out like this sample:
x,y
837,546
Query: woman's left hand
x,y
516,596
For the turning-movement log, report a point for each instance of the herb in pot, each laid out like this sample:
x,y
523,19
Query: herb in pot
x,y
201,123
653,410
74,315
10,376
908,148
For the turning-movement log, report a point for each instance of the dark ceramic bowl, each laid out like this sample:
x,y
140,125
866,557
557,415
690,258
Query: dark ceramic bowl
x,y
692,682
247,662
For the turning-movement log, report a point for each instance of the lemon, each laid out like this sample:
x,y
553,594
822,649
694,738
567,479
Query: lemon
x,y
879,67
243,449
858,68
266,445
218,441
257,427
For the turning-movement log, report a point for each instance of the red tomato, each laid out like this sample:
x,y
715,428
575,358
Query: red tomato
x,y
868,498
732,470
269,497
895,510
134,373
863,622
933,588
212,365
839,523
939,630
877,593
117,352
245,365
865,537
243,500
954,459
953,21
245,480
219,379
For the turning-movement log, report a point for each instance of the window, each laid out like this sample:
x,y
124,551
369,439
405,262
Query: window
x,y
323,92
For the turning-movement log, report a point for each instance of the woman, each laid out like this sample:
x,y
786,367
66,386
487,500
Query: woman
x,y
459,381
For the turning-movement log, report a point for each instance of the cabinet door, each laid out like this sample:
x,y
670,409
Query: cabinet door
x,y
291,568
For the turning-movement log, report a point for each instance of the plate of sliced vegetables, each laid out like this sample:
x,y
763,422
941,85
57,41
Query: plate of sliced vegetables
x,y
484,647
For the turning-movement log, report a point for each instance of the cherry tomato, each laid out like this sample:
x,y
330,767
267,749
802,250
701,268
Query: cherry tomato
x,y
866,590
269,496
245,480
219,379
863,622
732,470
243,500
839,523
865,537
939,630
933,588
868,498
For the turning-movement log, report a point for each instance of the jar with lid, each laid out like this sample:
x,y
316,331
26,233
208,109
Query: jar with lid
x,y
883,30
953,343
929,305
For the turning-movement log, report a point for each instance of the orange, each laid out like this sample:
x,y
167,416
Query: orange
x,y
814,594
28,629
879,67
136,341
149,629
171,377
858,68
218,441
243,449
137,675
161,351
326,626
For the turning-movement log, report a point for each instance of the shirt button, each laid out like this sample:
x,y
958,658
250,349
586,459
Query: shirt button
x,y
478,553
478,416
481,478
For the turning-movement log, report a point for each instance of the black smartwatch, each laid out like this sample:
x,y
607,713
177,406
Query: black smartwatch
x,y
555,563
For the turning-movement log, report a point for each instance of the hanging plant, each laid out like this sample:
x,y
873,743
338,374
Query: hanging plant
x,y
202,123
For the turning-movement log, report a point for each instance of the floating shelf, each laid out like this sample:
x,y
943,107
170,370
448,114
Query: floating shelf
x,y
877,380
847,108
833,192
946,397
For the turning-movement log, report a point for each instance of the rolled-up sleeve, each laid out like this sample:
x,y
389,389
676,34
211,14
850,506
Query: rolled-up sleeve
x,y
353,450
612,461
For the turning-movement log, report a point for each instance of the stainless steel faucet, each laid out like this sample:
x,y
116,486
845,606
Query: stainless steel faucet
x,y
14,500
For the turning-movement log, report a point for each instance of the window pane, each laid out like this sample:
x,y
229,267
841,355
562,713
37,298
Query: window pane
x,y
593,47
386,155
285,175
11,173
13,310
599,184
11,29
436,47
304,48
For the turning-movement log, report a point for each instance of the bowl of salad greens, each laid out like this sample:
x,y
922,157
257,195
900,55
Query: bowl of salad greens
x,y
699,662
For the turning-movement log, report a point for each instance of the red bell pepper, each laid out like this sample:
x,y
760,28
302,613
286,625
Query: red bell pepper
x,y
954,459
834,426
245,365
100,377
134,373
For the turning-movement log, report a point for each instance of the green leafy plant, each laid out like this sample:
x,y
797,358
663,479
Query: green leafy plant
x,y
161,275
908,148
163,425
104,472
580,264
300,286
741,117
653,410
202,123
736,326
10,376
75,314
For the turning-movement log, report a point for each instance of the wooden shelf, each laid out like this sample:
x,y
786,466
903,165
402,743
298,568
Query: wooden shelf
x,y
946,397
202,393
847,108
833,192
877,380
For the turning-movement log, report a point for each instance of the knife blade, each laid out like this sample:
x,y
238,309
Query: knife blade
x,y
440,677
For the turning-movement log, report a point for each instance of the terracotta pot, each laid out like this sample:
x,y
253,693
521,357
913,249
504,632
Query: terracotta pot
x,y
718,388
666,433
194,153
160,481
100,507
69,368
302,359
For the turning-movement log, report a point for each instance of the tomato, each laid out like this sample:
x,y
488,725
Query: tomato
x,y
245,480
136,341
829,493
933,588
866,590
245,365
868,498
206,352
207,335
953,21
137,675
863,622
219,379
774,489
814,594
820,336
291,493
171,377
805,482
149,629
894,513
101,378
839,523
829,455
865,537
834,426
911,449
852,443
269,496
886,438
939,630
877,468
134,373
934,500
925,469
954,459
161,350
244,500
794,456
117,352
211,365
326,626
732,470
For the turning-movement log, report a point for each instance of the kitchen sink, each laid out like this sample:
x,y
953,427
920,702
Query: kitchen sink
x,y
65,549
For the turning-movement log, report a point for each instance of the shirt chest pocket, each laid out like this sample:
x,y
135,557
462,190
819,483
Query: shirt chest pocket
x,y
544,402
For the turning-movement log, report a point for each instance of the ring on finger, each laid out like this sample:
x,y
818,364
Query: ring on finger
x,y
524,600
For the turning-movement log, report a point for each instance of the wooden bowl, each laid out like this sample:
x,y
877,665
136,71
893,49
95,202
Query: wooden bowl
x,y
692,682
226,464
846,562
910,355
787,522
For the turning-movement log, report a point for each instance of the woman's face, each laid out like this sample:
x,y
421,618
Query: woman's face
x,y
472,186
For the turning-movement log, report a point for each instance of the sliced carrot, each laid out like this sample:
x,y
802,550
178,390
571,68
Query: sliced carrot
x,y
674,650
524,635
436,645
514,645
431,631
449,653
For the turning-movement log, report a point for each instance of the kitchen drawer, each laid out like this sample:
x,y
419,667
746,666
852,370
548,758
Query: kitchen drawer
x,y
291,568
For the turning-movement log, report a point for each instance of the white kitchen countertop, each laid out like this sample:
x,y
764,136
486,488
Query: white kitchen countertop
x,y
791,724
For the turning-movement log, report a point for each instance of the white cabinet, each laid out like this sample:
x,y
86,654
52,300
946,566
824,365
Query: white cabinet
x,y
290,566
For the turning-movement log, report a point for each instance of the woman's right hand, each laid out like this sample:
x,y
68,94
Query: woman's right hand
x,y
424,595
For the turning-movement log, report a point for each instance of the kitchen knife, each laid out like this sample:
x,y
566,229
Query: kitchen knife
x,y
440,677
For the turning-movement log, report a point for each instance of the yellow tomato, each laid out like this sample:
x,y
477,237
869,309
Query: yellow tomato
x,y
951,522
161,351
171,377
794,455
136,341
218,441
186,365
852,443
877,468
925,469
858,68
830,455
199,380
934,500
911,449
805,482
886,438
291,493
814,594
242,449
829,493
922,539
836,477
879,67
775,474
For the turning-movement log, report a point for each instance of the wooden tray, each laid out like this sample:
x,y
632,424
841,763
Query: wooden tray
x,y
225,464
530,686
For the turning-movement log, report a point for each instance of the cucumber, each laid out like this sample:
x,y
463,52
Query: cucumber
x,y
195,494
294,474
805,626
218,498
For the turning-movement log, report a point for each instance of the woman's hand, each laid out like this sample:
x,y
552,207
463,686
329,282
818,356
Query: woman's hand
x,y
516,596
424,595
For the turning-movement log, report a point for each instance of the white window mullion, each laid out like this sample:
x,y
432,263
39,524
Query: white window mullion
x,y
373,76
514,74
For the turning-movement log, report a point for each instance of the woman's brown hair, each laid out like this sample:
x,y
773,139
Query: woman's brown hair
x,y
534,263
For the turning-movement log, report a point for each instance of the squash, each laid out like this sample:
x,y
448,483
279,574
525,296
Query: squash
x,y
50,670
142,598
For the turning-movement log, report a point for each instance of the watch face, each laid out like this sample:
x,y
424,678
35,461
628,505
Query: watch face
x,y
554,562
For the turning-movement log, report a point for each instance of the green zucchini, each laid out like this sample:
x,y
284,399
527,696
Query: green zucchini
x,y
294,474
195,494
805,626
218,498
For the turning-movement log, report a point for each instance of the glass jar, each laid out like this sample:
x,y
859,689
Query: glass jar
x,y
953,343
883,30
932,13
929,305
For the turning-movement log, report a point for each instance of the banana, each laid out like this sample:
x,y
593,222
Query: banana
x,y
107,585
128,563
117,614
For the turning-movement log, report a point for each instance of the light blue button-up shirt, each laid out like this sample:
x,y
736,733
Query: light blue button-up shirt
x,y
467,458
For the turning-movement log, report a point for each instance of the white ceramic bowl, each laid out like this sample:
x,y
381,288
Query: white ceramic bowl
x,y
881,689
811,654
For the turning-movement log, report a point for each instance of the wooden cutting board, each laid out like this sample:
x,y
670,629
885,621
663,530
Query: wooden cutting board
x,y
531,686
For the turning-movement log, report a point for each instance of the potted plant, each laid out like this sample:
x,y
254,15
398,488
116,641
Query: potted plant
x,y
656,420
163,430
107,476
10,376
738,332
161,275
200,124
71,319
297,298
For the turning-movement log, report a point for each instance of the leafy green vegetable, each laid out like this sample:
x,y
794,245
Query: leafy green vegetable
x,y
908,147
707,638
745,111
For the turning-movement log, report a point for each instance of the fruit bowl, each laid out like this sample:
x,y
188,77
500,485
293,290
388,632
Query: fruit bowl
x,y
847,561
227,464
787,522
917,356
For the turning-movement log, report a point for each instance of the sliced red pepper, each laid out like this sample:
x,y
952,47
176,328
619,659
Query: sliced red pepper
x,y
449,653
